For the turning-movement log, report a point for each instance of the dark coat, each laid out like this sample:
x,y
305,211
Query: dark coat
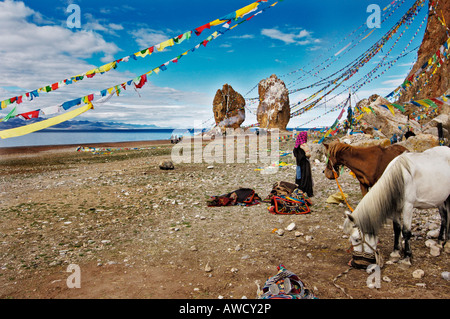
x,y
305,183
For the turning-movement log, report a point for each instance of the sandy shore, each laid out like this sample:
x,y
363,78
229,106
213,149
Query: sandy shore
x,y
55,148
139,232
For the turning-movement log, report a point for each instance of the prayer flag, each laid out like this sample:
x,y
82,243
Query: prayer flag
x,y
19,131
30,115
11,114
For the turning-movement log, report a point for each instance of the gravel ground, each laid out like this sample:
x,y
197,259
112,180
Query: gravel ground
x,y
137,231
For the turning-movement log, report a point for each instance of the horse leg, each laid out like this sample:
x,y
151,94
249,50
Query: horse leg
x,y
364,189
406,232
444,211
395,255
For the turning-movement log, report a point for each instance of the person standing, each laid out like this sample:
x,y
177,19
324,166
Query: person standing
x,y
302,154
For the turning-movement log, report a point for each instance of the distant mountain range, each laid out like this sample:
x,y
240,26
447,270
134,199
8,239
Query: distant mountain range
x,y
82,126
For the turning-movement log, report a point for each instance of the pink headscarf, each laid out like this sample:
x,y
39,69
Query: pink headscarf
x,y
302,138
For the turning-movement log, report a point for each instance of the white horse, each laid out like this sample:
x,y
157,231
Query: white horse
x,y
412,180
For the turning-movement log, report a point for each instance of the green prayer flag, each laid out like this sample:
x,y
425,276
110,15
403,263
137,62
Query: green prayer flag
x,y
430,103
11,114
399,107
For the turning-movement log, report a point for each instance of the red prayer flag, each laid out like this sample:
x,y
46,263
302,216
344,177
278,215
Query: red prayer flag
x,y
30,115
142,82
199,30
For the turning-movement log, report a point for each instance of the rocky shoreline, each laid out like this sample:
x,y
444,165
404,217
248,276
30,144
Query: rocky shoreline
x,y
137,231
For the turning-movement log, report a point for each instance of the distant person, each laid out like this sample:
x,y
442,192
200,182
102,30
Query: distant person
x,y
409,134
440,134
394,139
303,177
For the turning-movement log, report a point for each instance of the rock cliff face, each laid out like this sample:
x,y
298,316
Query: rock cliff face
x,y
435,36
228,108
273,110
382,123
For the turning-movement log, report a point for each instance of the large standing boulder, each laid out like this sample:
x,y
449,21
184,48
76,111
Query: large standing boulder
x,y
382,120
274,111
228,108
420,142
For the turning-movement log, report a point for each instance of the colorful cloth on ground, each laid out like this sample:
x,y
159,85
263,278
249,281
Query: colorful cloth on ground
x,y
296,204
242,197
285,285
281,189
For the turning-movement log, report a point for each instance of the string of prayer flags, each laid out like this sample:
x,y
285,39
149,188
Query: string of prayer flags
x,y
435,61
361,61
142,53
138,82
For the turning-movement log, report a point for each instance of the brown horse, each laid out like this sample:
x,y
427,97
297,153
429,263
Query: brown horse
x,y
367,163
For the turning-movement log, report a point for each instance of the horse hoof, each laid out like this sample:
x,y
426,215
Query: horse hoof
x,y
405,261
394,256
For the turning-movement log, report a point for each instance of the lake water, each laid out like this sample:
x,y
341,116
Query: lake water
x,y
60,137
85,137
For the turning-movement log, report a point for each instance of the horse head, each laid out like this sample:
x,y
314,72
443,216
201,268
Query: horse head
x,y
364,246
332,169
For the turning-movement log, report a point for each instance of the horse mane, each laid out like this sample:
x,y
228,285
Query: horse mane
x,y
335,147
385,200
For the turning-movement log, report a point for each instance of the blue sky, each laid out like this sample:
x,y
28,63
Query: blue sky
x,y
39,49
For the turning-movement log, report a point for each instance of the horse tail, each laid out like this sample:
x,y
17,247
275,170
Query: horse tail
x,y
385,199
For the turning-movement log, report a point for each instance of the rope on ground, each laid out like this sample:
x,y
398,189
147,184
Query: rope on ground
x,y
339,276
342,192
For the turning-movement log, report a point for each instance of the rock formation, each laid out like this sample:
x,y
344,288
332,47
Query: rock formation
x,y
435,36
273,110
228,108
383,124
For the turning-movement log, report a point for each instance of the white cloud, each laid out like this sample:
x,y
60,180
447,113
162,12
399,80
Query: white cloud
x,y
101,25
278,35
244,36
303,37
394,82
146,37
303,34
33,54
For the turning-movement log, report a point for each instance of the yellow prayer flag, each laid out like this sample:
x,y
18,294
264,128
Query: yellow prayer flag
x,y
27,129
217,22
107,67
251,7
93,71
423,103
391,108
165,44
368,34
143,55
